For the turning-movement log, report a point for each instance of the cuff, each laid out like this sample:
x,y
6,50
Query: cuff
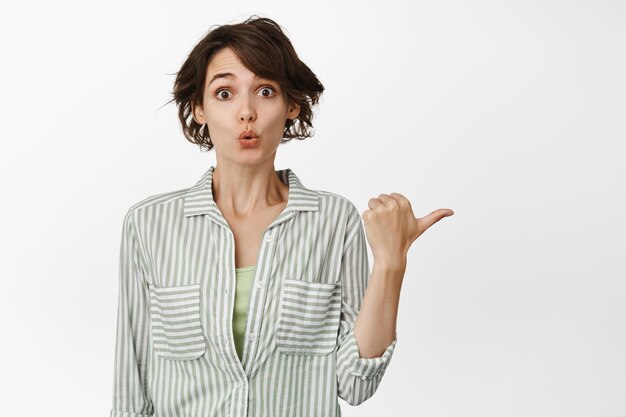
x,y
115,413
367,368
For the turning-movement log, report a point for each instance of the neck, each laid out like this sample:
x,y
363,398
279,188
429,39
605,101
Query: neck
x,y
244,189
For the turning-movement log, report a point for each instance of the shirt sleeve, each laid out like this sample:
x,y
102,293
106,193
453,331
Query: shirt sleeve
x,y
130,394
357,377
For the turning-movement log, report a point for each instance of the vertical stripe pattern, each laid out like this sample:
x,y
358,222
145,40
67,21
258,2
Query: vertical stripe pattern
x,y
175,353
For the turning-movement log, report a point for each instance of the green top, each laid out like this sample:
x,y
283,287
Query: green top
x,y
245,278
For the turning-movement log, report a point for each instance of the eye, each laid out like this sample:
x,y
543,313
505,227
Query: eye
x,y
219,94
265,88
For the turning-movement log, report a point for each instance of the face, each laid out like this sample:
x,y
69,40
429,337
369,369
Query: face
x,y
235,100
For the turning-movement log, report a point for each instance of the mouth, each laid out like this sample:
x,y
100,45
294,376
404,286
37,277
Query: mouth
x,y
248,135
249,142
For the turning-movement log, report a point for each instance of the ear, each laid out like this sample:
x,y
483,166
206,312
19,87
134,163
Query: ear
x,y
294,111
198,114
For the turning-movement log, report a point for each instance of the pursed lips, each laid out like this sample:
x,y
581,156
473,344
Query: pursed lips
x,y
248,134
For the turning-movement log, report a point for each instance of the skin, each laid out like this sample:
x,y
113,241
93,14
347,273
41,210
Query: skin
x,y
245,186
390,228
250,195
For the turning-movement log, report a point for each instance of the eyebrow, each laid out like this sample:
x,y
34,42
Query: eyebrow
x,y
221,75
229,75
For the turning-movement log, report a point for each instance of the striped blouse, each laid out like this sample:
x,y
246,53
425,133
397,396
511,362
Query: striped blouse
x,y
174,350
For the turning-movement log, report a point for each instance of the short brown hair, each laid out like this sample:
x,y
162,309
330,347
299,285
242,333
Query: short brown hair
x,y
263,48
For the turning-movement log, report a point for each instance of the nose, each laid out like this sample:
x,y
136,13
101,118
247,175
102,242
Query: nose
x,y
246,113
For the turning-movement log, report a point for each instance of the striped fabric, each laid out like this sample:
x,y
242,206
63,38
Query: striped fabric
x,y
308,317
175,353
176,330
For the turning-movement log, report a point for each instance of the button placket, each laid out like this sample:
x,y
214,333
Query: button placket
x,y
268,239
228,338
265,251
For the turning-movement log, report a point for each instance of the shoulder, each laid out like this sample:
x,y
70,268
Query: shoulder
x,y
335,203
342,213
153,201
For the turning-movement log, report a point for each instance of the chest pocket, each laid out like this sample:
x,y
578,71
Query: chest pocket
x,y
308,320
175,320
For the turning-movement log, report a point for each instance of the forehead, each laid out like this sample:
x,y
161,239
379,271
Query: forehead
x,y
224,61
222,58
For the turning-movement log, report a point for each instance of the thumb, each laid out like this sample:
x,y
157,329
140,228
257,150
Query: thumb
x,y
432,218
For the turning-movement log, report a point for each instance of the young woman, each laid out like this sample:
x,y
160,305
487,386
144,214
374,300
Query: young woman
x,y
245,293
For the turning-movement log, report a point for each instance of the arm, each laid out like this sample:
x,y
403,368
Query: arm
x,y
375,326
390,229
358,375
130,395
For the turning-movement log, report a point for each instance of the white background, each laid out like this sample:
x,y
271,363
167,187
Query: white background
x,y
511,113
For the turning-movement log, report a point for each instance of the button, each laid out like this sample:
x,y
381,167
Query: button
x,y
269,237
251,336
363,377
259,284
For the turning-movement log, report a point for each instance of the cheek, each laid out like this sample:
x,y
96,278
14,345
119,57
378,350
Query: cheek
x,y
277,116
215,117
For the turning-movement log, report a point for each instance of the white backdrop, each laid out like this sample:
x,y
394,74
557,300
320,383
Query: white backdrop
x,y
511,113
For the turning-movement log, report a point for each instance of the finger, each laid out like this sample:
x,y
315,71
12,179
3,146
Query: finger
x,y
373,203
402,201
388,200
398,196
434,217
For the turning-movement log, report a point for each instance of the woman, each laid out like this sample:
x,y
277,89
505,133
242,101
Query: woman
x,y
245,294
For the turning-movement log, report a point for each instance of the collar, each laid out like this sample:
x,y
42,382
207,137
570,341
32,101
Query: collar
x,y
199,197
